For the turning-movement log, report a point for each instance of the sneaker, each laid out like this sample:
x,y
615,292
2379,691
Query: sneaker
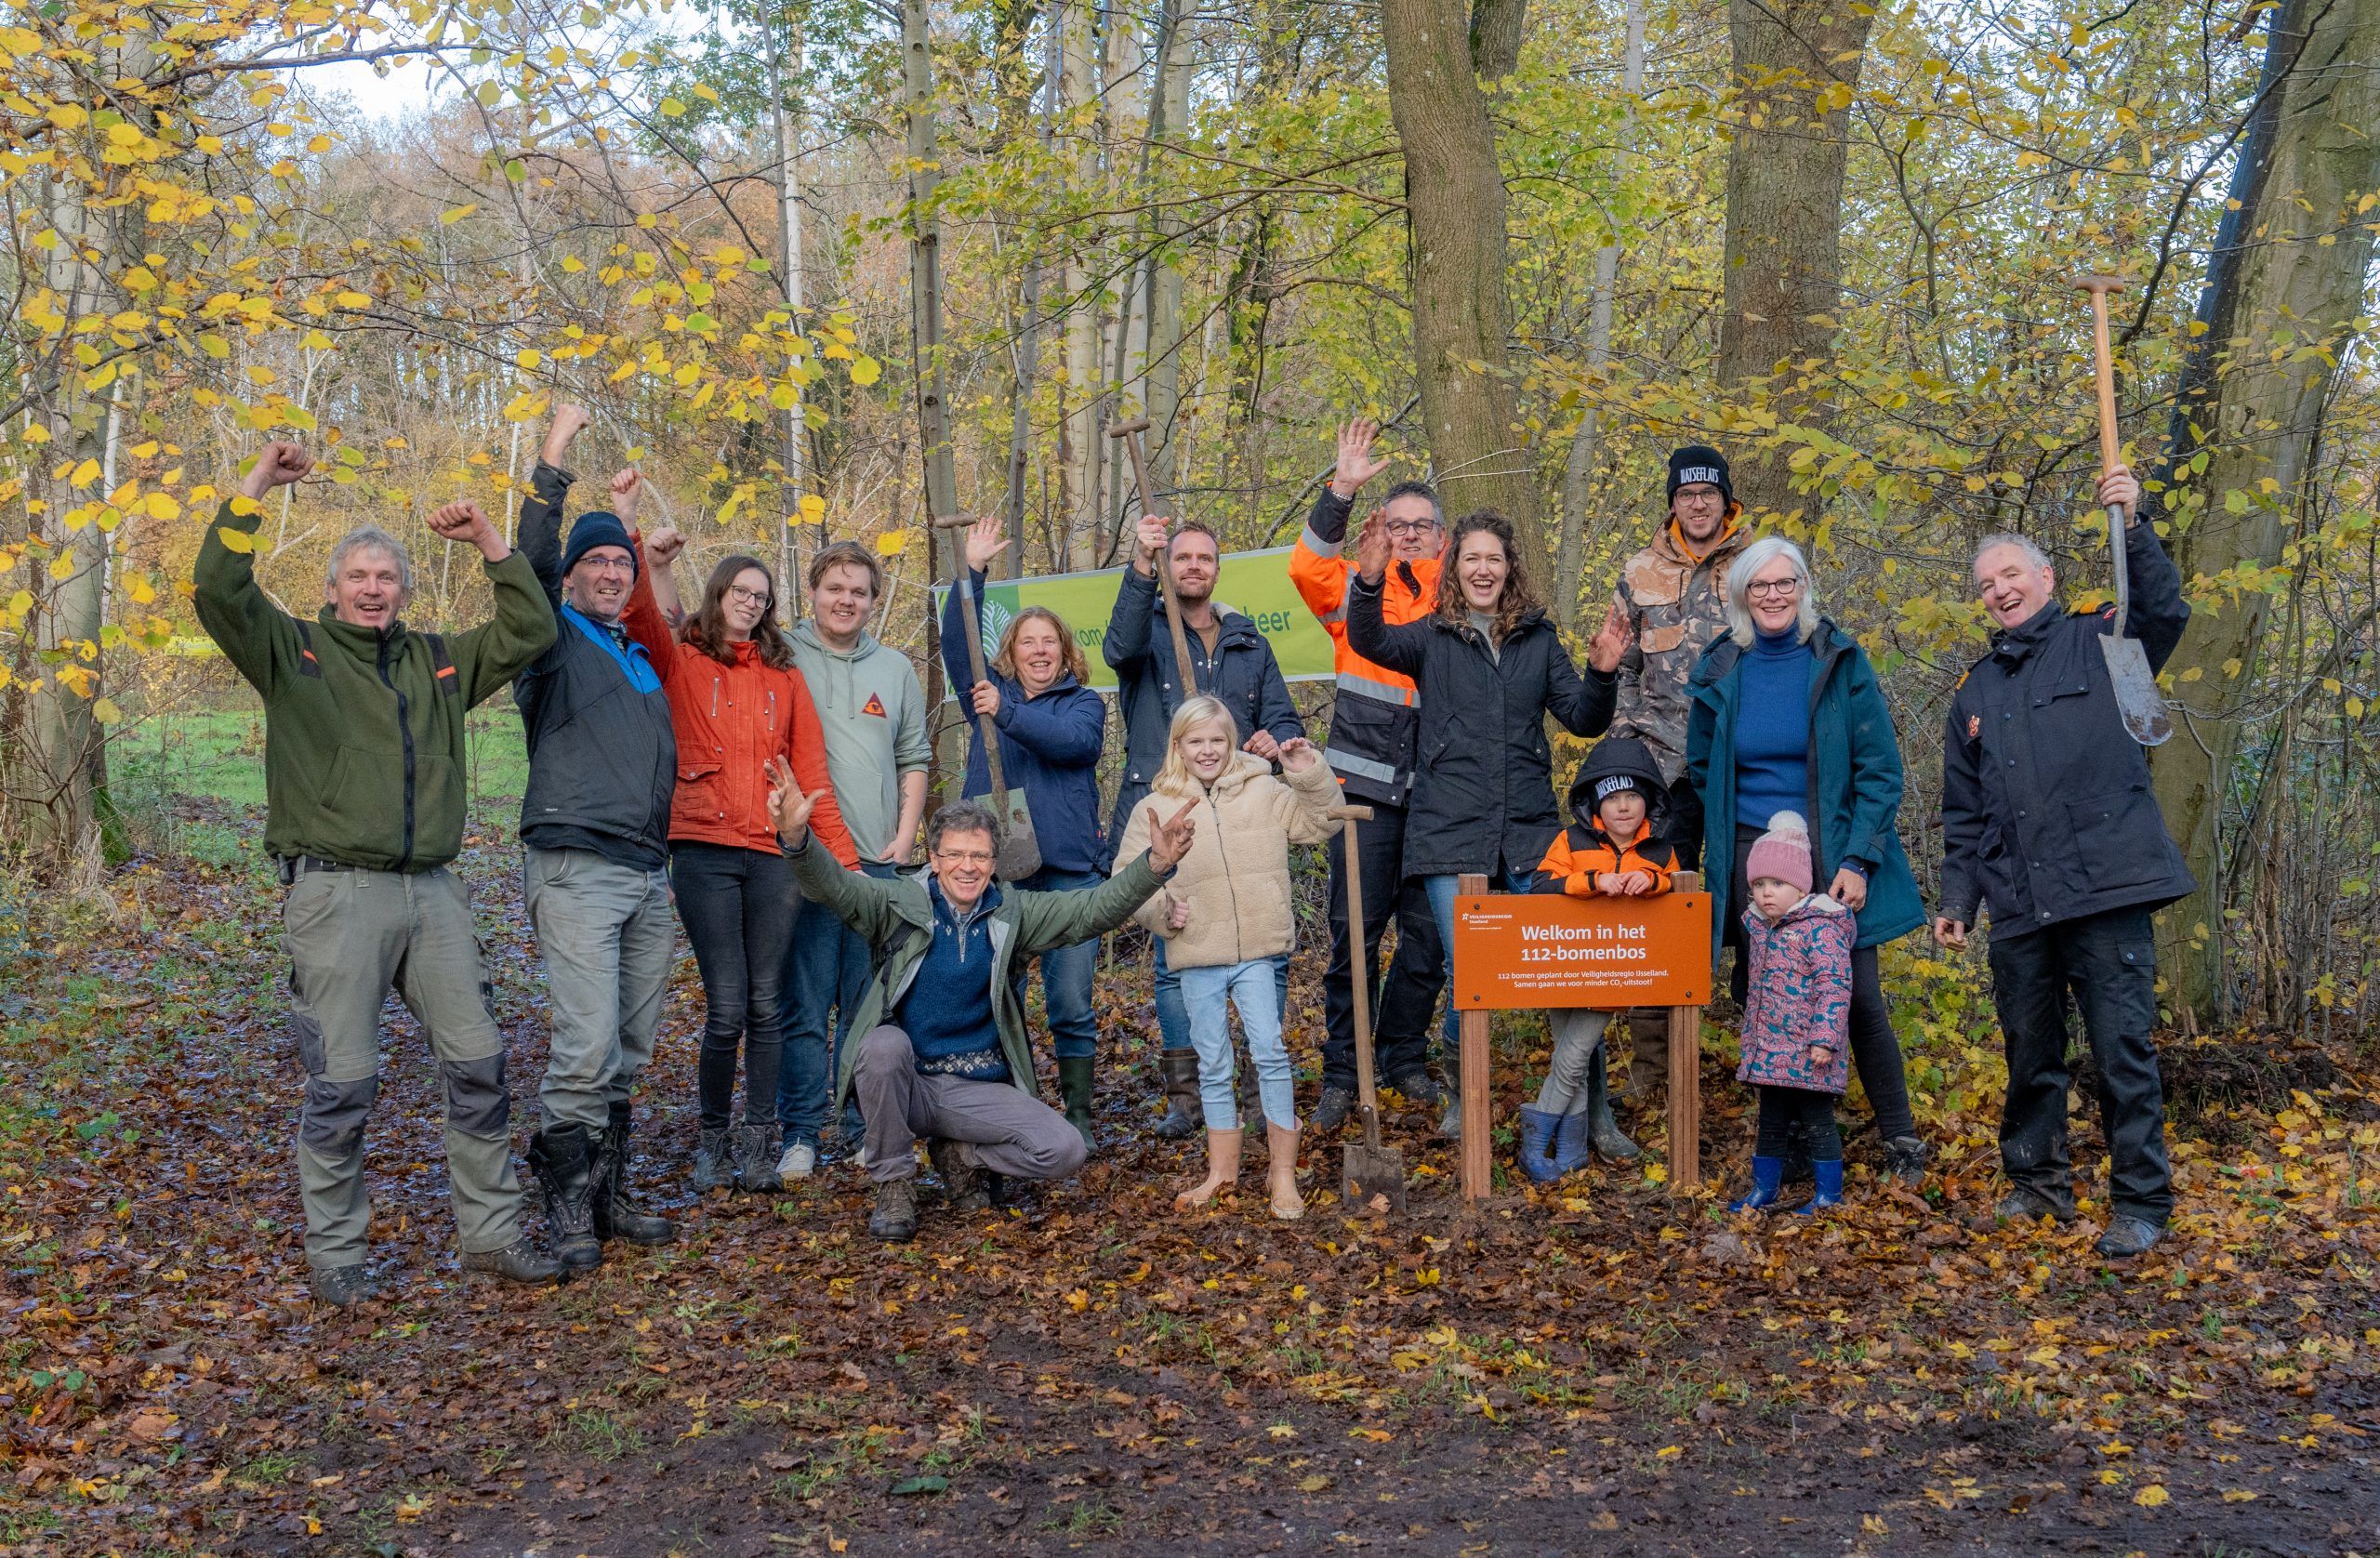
x,y
341,1286
896,1218
2128,1237
1331,1112
798,1161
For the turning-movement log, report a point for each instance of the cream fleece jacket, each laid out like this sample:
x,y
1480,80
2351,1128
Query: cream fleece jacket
x,y
1235,877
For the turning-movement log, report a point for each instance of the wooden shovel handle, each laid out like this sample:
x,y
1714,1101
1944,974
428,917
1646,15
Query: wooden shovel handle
x,y
2103,360
988,732
1131,433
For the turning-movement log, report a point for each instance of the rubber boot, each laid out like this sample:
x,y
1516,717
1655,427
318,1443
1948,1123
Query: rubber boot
x,y
1572,1143
1223,1168
615,1215
1074,1088
562,1158
1281,1172
1610,1142
1767,1180
1826,1174
1179,1068
1538,1131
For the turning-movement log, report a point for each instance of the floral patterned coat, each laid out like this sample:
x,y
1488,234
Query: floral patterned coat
x,y
1799,998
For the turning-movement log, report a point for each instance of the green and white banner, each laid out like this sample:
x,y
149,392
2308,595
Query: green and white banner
x,y
1256,585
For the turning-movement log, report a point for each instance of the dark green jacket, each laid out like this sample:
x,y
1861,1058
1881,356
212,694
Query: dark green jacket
x,y
364,760
894,916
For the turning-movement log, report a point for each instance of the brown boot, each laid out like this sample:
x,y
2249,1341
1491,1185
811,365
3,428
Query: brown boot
x,y
1648,1060
1179,1069
1223,1168
1281,1172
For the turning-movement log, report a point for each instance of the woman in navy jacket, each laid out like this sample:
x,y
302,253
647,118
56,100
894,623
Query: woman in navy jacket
x,y
1050,728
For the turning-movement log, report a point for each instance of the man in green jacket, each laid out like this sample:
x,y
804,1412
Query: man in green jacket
x,y
943,1052
364,804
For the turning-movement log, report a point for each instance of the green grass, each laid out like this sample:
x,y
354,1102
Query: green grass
x,y
219,755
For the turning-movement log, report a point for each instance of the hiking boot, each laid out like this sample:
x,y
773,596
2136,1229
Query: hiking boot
x,y
1905,1159
714,1161
341,1286
2021,1205
1451,1121
1539,1130
964,1182
799,1161
1331,1111
1603,1134
518,1261
756,1160
896,1219
562,1158
1182,1114
2128,1237
615,1216
1418,1087
1074,1088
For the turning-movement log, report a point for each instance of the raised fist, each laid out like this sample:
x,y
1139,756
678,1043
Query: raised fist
x,y
661,548
278,464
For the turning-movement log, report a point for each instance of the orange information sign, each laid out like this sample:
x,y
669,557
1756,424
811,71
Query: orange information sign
x,y
1516,951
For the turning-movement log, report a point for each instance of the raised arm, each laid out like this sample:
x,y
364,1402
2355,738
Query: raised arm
x,y
1131,625
1369,635
1067,731
541,514
1302,805
493,653
2159,613
643,618
1583,705
252,632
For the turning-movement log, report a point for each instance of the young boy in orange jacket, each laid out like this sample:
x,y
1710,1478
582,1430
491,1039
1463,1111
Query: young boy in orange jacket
x,y
1613,848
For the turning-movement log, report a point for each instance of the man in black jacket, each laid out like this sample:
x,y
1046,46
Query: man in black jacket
x,y
2047,817
602,764
1230,660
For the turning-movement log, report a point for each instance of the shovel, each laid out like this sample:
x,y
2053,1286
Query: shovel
x,y
1372,1177
2138,700
1131,433
1019,853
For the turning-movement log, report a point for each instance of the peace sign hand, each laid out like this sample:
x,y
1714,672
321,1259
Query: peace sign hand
x,y
1169,841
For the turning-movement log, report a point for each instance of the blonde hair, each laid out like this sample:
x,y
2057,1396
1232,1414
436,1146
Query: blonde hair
x,y
1198,711
1070,656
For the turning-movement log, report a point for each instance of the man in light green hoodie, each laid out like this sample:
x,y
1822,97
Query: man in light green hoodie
x,y
874,712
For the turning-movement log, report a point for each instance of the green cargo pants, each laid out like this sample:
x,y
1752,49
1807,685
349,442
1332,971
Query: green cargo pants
x,y
349,936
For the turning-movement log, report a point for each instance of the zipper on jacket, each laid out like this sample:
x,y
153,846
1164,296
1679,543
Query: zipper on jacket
x,y
405,729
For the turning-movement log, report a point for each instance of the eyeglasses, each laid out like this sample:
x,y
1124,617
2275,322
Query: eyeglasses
x,y
750,597
1773,589
964,857
1411,527
607,564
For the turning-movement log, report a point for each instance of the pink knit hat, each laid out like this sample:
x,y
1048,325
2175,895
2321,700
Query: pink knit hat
x,y
1782,853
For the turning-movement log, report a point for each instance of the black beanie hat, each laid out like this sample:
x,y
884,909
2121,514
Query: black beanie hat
x,y
597,527
1699,462
1618,762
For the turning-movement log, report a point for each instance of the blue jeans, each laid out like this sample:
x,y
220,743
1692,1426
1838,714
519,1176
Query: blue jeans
x,y
1173,1018
1065,973
825,969
1253,988
1442,895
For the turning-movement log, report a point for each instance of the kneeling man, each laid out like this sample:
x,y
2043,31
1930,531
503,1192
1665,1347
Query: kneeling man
x,y
943,1054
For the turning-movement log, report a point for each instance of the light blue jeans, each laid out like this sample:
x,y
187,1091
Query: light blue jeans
x,y
1252,987
1442,896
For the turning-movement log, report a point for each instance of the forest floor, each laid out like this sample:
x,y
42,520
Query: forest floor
x,y
1603,1366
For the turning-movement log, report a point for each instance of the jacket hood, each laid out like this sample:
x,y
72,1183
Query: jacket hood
x,y
1615,755
1816,905
1670,542
1238,626
807,632
1719,657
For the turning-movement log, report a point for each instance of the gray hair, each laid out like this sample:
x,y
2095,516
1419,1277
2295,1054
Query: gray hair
x,y
961,816
2025,543
1757,556
369,538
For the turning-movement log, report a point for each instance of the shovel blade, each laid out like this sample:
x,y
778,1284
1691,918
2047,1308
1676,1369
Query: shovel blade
x,y
1019,853
2138,700
1373,1178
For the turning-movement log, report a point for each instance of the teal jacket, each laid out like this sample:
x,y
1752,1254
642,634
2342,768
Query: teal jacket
x,y
1855,782
894,916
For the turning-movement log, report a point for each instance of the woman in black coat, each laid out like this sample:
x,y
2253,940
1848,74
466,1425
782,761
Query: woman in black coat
x,y
1489,666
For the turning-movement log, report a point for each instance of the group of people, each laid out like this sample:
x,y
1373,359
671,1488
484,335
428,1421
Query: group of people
x,y
770,784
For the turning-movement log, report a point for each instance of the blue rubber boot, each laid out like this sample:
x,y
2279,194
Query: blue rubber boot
x,y
1768,1180
1573,1141
1826,1174
1538,1130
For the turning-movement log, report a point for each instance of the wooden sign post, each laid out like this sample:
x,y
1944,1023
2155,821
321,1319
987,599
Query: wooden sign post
x,y
1515,952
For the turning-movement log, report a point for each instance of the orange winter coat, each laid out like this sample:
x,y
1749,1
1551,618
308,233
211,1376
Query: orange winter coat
x,y
1375,726
1581,853
729,721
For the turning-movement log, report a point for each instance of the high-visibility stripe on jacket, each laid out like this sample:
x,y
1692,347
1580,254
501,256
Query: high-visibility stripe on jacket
x,y
1581,853
1375,723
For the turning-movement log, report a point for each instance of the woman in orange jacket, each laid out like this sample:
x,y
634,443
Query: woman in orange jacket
x,y
735,700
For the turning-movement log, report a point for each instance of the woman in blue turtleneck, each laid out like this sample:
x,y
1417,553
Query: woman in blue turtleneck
x,y
1786,715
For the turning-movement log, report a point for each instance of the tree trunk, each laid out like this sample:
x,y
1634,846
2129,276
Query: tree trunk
x,y
1496,29
785,58
1169,115
2295,270
1586,447
1456,243
943,548
1796,63
1080,434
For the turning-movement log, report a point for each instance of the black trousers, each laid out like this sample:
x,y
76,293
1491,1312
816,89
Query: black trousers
x,y
1875,1048
1685,825
738,906
1406,999
1783,1108
2107,965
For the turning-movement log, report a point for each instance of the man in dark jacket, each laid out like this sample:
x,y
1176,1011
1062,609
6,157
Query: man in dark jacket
x,y
602,764
2047,817
1230,660
364,765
